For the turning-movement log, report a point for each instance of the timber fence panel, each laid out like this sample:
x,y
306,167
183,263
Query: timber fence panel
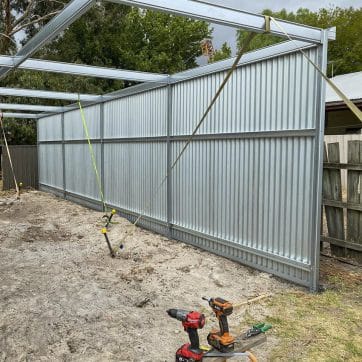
x,y
25,162
354,217
343,227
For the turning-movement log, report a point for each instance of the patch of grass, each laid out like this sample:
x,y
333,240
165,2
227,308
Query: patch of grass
x,y
319,327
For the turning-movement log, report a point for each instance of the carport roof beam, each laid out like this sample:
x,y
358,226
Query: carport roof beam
x,y
31,93
83,70
69,14
31,107
20,115
230,17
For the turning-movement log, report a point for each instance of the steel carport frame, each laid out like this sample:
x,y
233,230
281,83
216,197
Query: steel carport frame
x,y
309,38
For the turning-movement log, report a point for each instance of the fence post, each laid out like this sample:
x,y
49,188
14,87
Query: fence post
x,y
169,161
101,136
354,217
63,156
336,194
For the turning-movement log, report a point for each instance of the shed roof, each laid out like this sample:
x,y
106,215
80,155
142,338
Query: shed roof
x,y
350,84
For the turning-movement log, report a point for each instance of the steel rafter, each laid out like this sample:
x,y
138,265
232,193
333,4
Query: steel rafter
x,y
230,17
31,93
31,107
60,22
20,115
82,70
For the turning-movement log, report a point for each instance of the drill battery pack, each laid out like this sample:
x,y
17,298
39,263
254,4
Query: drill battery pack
x,y
221,343
185,354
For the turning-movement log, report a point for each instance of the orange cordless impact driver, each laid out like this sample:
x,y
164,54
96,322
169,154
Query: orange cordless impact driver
x,y
191,321
221,340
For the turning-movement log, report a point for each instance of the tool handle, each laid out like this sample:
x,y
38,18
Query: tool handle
x,y
266,327
194,339
223,323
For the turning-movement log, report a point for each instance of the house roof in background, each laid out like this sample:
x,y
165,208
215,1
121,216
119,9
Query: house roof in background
x,y
350,84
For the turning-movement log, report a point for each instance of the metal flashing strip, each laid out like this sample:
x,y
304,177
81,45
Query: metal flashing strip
x,y
68,15
199,137
32,93
20,115
226,16
83,70
31,107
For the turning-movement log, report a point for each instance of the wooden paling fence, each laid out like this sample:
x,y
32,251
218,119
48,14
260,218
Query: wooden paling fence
x,y
343,208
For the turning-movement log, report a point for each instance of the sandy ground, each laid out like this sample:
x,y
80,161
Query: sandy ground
x,y
62,298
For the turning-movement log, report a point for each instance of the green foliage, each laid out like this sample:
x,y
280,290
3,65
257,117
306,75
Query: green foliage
x,y
122,37
345,53
221,54
20,132
109,35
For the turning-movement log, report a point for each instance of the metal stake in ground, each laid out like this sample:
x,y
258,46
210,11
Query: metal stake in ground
x,y
104,232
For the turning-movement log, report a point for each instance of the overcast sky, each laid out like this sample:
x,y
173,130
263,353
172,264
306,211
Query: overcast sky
x,y
222,33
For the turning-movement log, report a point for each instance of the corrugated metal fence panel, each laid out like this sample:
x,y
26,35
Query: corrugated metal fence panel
x,y
73,126
50,128
251,198
253,192
50,165
80,177
274,94
133,171
25,162
140,115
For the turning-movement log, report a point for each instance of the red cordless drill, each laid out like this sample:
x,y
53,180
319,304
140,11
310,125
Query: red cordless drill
x,y
191,321
221,340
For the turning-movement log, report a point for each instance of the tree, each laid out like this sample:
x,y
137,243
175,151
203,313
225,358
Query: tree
x,y
345,53
108,35
23,15
223,53
122,37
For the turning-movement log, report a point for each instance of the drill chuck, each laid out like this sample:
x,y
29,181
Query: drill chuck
x,y
179,314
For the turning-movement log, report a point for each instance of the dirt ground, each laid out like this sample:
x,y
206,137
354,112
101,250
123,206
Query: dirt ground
x,y
62,298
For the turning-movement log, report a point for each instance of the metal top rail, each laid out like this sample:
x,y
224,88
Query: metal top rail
x,y
193,9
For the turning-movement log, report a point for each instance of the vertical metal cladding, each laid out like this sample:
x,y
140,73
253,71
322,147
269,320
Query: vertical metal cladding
x,y
50,128
251,192
50,164
254,192
274,94
246,193
139,115
79,171
73,126
133,173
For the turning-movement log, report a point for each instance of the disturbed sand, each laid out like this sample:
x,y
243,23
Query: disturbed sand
x,y
62,298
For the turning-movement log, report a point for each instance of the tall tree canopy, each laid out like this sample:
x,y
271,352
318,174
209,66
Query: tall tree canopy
x,y
344,54
108,35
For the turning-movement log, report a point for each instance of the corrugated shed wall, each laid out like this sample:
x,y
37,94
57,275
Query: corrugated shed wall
x,y
244,188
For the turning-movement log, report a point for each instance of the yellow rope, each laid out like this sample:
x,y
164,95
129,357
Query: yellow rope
x,y
91,151
345,99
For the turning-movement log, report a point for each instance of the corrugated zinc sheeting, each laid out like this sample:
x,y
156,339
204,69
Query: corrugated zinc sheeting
x,y
25,162
50,165
246,187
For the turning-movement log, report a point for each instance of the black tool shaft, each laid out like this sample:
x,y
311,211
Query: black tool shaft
x,y
109,245
194,339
